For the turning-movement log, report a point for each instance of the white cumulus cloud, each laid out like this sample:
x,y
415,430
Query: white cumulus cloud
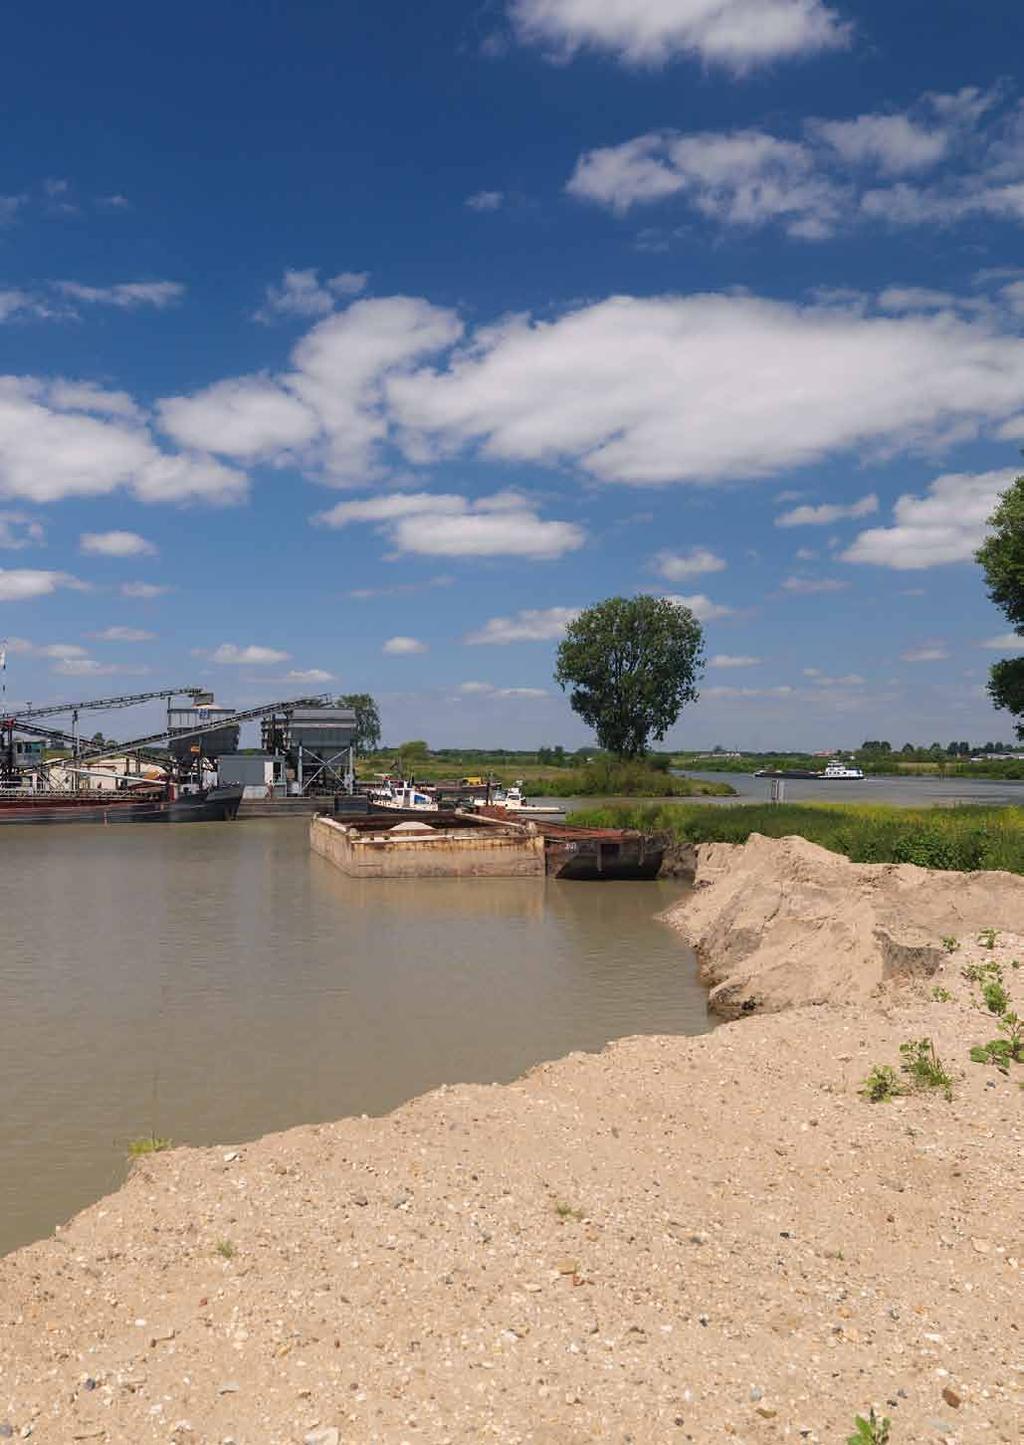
x,y
245,416
1006,641
302,293
403,646
810,586
833,174
701,606
124,634
675,566
115,544
728,659
64,439
19,584
230,654
737,34
947,524
486,200
143,591
308,674
533,624
128,295
828,513
927,652
708,387
448,525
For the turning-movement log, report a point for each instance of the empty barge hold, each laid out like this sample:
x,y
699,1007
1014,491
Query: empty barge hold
x,y
393,844
481,844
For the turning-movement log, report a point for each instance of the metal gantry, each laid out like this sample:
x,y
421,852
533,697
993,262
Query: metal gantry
x,y
140,746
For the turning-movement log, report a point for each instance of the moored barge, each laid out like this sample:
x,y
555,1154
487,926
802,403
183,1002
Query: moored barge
x,y
138,805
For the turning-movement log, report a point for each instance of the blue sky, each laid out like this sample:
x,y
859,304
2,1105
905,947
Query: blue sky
x,y
354,347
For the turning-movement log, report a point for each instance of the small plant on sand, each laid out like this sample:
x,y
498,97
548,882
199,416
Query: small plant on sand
x,y
989,978
870,1430
148,1144
941,995
1005,1051
950,943
225,1249
568,1211
881,1084
924,1068
987,937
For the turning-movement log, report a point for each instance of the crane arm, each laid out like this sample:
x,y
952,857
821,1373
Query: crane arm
x,y
102,704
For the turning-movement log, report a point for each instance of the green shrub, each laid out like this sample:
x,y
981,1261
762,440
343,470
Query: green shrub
x,y
881,1084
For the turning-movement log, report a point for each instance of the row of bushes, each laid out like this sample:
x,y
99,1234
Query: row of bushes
x,y
608,779
962,838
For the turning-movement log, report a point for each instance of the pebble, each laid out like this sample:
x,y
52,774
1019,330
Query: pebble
x,y
328,1436
229,1387
756,1393
952,1398
6,1431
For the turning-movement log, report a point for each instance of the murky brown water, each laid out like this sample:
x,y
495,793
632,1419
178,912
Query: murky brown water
x,y
215,982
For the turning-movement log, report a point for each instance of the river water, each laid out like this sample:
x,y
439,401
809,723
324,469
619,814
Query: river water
x,y
905,792
213,982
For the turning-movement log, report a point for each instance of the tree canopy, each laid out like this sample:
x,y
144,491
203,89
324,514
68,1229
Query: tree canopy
x,y
367,720
632,663
1002,558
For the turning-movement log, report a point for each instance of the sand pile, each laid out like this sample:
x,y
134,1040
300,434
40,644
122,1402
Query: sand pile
x,y
710,1239
777,923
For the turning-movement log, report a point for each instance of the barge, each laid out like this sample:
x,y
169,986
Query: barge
x,y
483,843
139,805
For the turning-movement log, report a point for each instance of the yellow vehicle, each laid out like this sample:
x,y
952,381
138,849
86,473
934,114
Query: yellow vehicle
x,y
472,782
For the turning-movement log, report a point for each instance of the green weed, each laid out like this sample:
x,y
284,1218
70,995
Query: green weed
x,y
941,995
568,1211
950,943
226,1249
148,1144
881,1084
1005,1051
870,1431
987,937
924,1068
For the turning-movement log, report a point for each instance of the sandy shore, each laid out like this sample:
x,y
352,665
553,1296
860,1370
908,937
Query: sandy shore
x,y
678,1239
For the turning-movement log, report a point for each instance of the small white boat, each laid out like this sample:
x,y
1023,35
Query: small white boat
x,y
513,801
838,771
406,796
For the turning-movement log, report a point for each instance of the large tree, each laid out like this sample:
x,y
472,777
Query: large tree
x,y
631,664
1002,557
367,720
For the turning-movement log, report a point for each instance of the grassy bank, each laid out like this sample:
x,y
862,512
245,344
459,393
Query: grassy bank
x,y
881,765
624,780
959,838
